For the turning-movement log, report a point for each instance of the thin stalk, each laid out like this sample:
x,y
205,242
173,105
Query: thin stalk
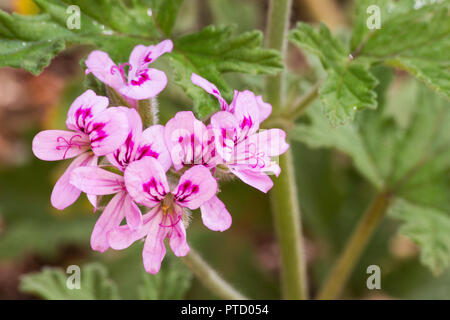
x,y
355,247
209,278
285,207
276,38
286,215
304,102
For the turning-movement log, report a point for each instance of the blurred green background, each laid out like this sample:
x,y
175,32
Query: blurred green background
x,y
332,193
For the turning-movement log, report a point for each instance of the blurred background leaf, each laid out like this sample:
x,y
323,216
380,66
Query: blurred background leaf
x,y
51,284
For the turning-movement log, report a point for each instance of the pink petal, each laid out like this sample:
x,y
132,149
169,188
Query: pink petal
x,y
255,179
141,55
84,108
152,144
125,154
101,66
108,130
154,248
137,60
265,109
146,181
111,218
186,139
258,149
215,215
96,181
225,128
247,113
210,88
177,236
132,213
93,198
64,194
122,237
50,145
146,84
196,186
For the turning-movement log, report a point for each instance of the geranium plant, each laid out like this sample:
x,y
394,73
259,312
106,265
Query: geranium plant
x,y
147,179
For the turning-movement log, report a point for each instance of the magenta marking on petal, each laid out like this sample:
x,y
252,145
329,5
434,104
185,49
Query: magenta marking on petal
x,y
151,188
143,77
185,190
146,150
124,159
98,129
81,116
69,144
147,58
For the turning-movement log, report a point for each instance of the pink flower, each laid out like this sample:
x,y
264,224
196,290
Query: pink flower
x,y
139,144
98,181
264,109
140,82
93,127
247,153
190,142
146,182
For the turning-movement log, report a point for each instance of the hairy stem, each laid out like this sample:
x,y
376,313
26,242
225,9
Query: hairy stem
x,y
286,210
286,215
148,110
276,38
209,278
355,247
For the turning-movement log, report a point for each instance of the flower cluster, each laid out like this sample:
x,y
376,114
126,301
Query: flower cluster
x,y
168,170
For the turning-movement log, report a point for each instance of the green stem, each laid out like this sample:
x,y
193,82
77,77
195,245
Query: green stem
x,y
286,210
355,247
304,102
209,278
286,215
276,38
148,110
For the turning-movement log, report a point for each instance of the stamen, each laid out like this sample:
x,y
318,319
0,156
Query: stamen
x,y
69,144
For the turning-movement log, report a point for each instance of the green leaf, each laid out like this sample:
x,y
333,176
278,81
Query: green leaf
x,y
213,51
407,155
349,85
204,104
166,13
171,282
429,228
413,38
30,42
51,284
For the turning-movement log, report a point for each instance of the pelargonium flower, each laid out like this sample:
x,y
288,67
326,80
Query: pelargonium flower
x,y
147,183
190,142
264,108
140,82
139,144
98,181
95,130
247,153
